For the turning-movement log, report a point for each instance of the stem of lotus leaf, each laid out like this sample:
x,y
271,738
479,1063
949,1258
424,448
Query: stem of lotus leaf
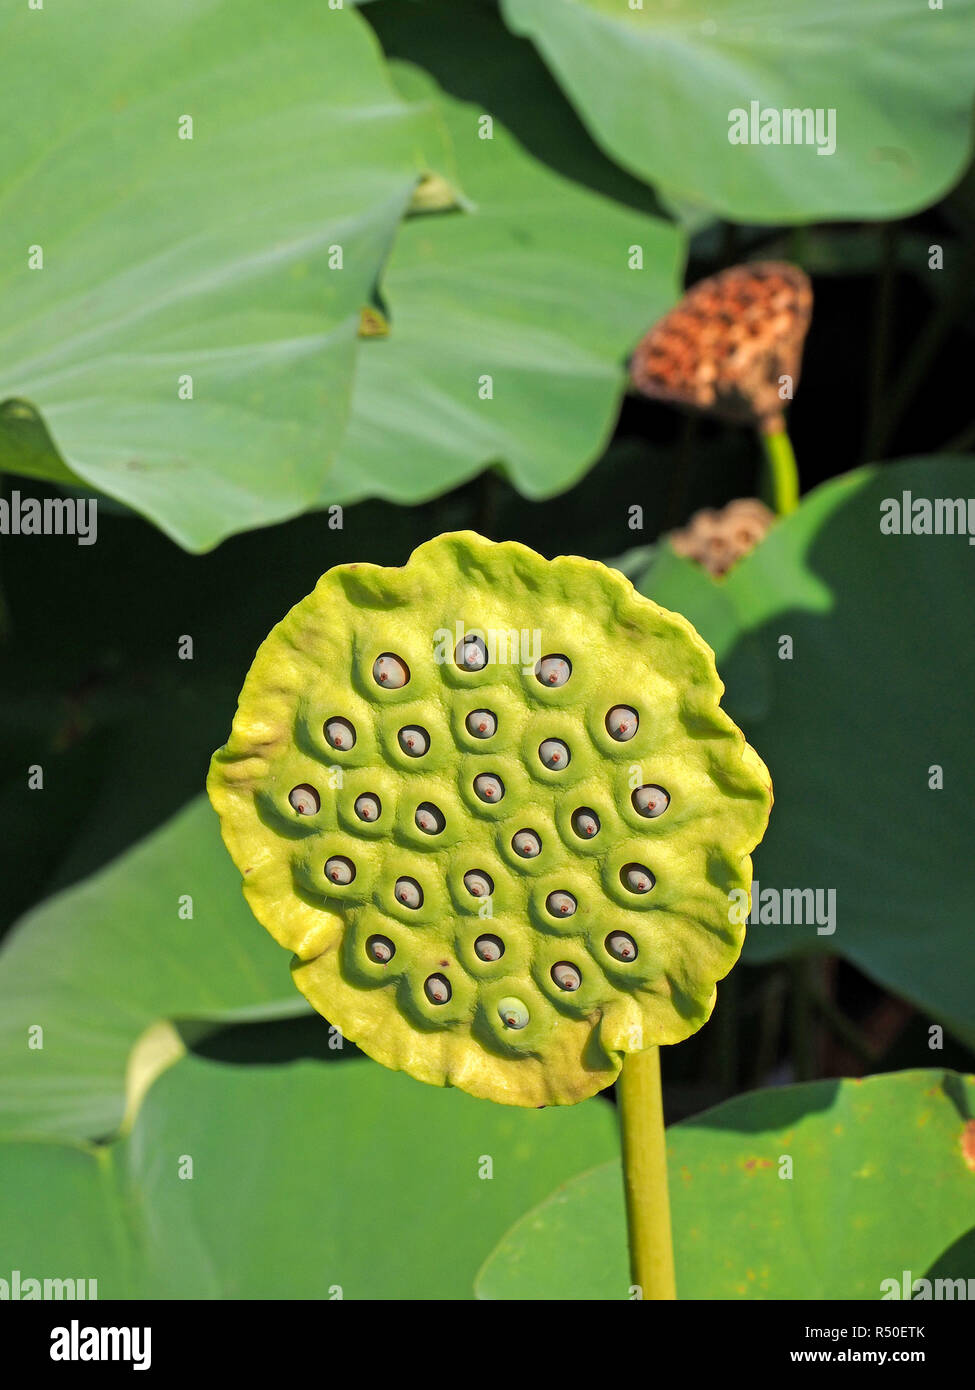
x,y
782,475
644,1148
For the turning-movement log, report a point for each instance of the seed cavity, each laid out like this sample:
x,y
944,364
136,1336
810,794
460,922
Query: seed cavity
x,y
409,892
489,788
621,945
481,723
339,869
471,653
553,670
368,807
339,734
305,800
513,1013
554,754
429,818
561,904
637,878
527,844
478,883
413,740
380,949
585,823
437,989
566,976
390,671
622,723
489,947
650,800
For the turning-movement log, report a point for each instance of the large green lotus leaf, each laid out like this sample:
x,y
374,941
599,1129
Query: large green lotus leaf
x,y
207,257
878,691
655,85
863,1155
528,282
305,1177
101,966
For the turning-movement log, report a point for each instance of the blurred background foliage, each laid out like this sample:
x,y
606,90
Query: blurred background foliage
x,y
166,1035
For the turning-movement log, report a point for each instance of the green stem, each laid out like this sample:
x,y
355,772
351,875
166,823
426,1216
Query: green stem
x,y
645,1175
781,473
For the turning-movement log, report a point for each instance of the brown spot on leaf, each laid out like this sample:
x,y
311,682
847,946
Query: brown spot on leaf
x,y
968,1144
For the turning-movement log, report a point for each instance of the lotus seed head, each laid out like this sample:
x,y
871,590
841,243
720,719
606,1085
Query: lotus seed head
x,y
513,1013
478,883
650,800
637,878
305,800
527,844
566,976
413,740
481,723
380,949
340,734
437,988
622,723
489,947
429,818
409,892
553,670
489,788
561,904
390,671
339,869
368,807
554,754
585,823
621,945
471,653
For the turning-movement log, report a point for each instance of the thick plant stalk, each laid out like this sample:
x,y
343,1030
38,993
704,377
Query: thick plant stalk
x,y
782,473
645,1175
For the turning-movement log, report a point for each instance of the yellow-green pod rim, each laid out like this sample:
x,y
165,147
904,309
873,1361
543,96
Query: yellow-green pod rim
x,y
376,648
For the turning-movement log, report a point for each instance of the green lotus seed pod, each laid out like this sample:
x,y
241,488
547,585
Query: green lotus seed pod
x,y
482,915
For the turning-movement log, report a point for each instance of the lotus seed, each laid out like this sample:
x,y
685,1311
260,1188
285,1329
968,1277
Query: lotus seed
x,y
305,800
554,754
414,741
429,818
390,671
339,869
561,904
637,877
513,1013
368,807
566,976
478,884
489,947
622,723
585,823
489,788
553,670
527,844
340,734
381,949
471,653
438,989
650,800
481,723
409,892
621,945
